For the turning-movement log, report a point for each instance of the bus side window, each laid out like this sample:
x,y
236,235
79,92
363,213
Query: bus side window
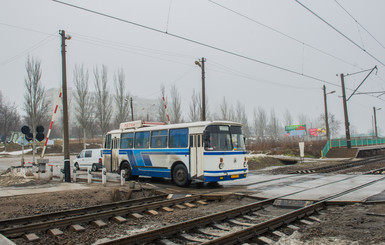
x,y
159,139
192,141
126,140
142,139
178,138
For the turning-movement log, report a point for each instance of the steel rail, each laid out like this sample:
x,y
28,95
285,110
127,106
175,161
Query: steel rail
x,y
376,171
44,225
79,211
331,168
170,230
236,237
258,229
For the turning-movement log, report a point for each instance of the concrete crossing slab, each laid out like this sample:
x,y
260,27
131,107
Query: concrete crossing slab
x,y
363,194
294,187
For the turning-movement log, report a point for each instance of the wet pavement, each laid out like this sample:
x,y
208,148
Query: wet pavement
x,y
314,187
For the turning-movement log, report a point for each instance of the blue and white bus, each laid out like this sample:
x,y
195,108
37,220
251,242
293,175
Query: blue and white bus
x,y
200,151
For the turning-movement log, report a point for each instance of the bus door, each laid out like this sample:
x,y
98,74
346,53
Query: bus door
x,y
115,155
196,156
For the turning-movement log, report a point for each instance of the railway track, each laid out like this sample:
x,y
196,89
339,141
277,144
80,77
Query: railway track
x,y
235,226
342,166
13,228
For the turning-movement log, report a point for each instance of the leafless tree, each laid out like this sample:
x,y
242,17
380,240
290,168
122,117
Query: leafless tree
x,y
227,111
195,112
35,105
162,100
287,117
260,123
175,108
121,98
103,101
334,124
241,117
83,100
303,119
273,125
9,118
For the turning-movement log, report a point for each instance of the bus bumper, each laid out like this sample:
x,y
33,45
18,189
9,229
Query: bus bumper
x,y
224,177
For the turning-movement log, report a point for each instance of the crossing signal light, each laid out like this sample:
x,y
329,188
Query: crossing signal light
x,y
29,135
40,133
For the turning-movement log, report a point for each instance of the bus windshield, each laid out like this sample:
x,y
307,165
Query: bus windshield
x,y
224,138
237,138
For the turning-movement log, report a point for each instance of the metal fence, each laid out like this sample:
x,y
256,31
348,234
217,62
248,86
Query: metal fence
x,y
354,143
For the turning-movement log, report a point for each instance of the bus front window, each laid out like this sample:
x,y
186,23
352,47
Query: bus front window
x,y
217,138
237,138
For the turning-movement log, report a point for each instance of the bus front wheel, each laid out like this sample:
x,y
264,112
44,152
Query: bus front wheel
x,y
180,175
128,172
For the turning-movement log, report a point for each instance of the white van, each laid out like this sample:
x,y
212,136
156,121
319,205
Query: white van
x,y
89,158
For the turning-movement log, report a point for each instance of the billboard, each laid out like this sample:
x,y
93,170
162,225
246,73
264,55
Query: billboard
x,y
295,130
317,131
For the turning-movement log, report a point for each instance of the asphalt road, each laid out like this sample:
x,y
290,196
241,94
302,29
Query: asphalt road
x,y
7,161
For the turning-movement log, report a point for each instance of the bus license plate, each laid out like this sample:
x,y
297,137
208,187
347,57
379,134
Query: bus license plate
x,y
234,176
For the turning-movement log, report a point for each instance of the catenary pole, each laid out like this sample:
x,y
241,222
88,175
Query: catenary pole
x,y
347,131
326,114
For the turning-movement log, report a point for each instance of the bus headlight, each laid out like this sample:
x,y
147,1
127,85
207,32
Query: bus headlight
x,y
221,165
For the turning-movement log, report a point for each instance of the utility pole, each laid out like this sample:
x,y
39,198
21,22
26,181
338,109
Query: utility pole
x,y
132,110
375,120
326,115
67,168
348,143
201,64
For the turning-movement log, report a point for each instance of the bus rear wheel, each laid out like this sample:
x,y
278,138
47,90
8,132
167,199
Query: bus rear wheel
x,y
180,175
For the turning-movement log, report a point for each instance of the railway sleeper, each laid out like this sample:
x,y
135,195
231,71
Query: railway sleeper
x,y
213,233
190,238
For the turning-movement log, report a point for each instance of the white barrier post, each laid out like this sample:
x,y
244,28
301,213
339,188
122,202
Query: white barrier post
x,y
51,172
61,175
122,179
104,176
89,175
74,174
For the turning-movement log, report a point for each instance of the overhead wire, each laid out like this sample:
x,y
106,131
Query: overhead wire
x,y
284,34
339,32
128,49
358,23
201,43
223,69
197,42
130,46
30,49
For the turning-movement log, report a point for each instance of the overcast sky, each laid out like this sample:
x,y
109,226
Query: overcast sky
x,y
256,50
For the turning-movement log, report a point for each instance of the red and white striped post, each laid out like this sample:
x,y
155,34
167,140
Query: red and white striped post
x,y
165,109
50,126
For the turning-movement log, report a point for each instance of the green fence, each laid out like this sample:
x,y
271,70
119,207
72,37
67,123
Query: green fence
x,y
354,143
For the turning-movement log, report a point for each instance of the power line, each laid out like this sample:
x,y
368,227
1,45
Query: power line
x,y
27,29
196,42
284,34
199,43
33,47
360,24
338,31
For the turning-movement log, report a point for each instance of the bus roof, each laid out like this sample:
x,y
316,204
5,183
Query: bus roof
x,y
201,124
